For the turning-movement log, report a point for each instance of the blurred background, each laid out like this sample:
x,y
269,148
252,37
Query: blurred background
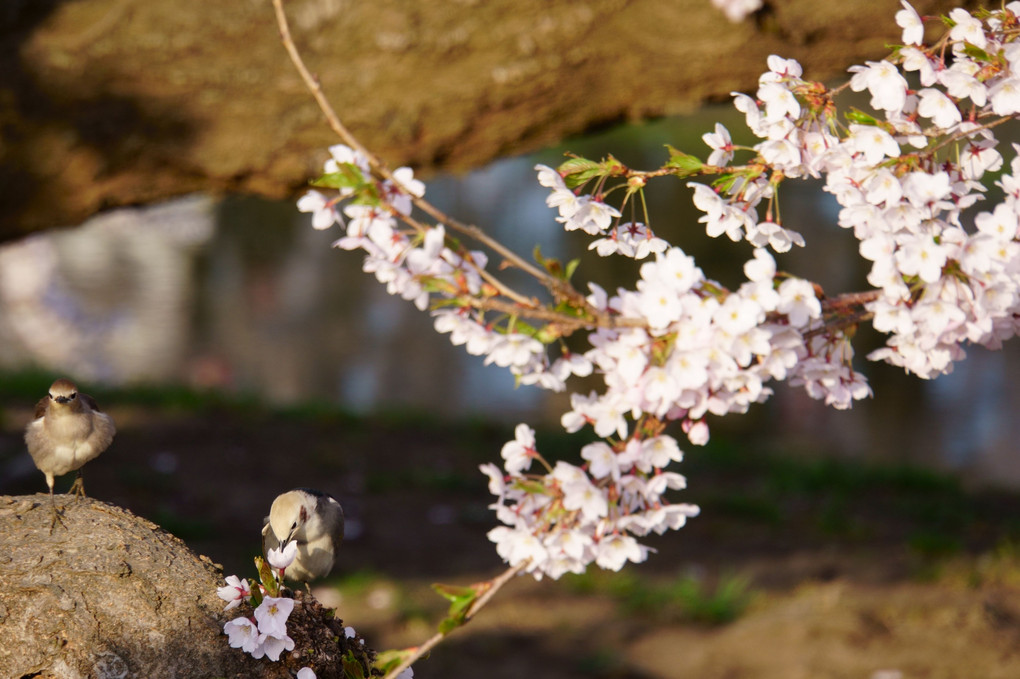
x,y
240,295
241,355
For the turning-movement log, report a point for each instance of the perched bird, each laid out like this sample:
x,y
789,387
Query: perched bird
x,y
68,431
315,521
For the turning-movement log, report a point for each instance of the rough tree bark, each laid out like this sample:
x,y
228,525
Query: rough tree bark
x,y
113,596
112,102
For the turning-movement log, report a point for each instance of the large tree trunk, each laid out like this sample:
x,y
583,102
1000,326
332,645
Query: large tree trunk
x,y
112,102
111,595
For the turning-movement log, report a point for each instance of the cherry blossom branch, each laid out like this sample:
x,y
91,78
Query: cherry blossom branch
x,y
485,274
561,289
521,305
572,323
849,300
959,136
676,347
492,587
489,589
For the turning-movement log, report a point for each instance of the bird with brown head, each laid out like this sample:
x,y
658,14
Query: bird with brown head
x,y
68,430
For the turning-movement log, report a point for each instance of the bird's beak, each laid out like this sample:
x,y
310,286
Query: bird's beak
x,y
61,399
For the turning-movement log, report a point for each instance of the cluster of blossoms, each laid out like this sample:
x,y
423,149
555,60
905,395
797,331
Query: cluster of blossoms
x,y
696,350
595,217
679,346
563,520
903,179
417,264
265,633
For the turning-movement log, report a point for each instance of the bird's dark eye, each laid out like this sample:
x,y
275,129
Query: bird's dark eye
x,y
293,525
72,397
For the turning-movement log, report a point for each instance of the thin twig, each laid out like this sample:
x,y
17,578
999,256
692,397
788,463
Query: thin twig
x,y
501,287
525,307
968,133
555,285
596,319
494,586
850,299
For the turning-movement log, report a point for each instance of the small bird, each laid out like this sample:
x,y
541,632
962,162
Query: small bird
x,y
315,521
68,431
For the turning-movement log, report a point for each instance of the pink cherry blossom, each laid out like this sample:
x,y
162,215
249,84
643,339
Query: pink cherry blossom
x,y
235,592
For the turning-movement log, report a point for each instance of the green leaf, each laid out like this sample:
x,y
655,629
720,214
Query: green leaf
x,y
554,266
577,171
348,176
460,599
454,593
517,325
436,284
550,264
684,162
976,53
575,165
857,116
567,308
572,265
537,254
530,487
613,167
267,576
387,660
353,669
725,182
455,302
547,334
449,623
367,195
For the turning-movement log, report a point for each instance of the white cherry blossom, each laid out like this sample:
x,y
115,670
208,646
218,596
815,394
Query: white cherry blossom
x,y
910,22
674,347
235,592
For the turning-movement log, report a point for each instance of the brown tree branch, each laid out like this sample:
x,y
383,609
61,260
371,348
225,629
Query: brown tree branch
x,y
558,287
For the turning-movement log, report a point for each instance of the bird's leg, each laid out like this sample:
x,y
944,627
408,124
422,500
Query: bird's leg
x,y
56,514
78,487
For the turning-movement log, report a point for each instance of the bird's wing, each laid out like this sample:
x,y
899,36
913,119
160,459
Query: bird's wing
x,y
90,402
269,540
40,407
330,506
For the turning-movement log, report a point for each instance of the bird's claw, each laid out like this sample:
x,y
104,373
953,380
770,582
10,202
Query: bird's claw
x,y
78,487
56,519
